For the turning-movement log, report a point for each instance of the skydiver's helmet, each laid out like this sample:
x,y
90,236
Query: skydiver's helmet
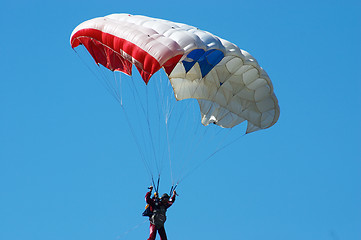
x,y
165,196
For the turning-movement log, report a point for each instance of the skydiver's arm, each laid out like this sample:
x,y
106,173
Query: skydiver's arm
x,y
147,196
172,199
173,196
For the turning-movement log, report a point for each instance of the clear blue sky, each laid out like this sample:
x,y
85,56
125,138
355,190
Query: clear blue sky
x,y
69,168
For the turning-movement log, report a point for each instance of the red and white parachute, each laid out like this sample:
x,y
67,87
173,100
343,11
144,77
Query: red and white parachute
x,y
227,82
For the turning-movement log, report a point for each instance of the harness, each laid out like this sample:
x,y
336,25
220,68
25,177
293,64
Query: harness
x,y
158,216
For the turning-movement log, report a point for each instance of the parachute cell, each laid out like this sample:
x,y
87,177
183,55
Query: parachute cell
x,y
228,83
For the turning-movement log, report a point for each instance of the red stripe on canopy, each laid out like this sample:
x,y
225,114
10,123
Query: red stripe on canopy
x,y
118,54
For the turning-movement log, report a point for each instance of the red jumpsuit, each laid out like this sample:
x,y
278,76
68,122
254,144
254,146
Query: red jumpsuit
x,y
154,224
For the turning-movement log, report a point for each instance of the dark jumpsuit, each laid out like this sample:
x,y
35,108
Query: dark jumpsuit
x,y
159,216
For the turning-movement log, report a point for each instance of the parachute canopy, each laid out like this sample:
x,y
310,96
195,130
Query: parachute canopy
x,y
228,83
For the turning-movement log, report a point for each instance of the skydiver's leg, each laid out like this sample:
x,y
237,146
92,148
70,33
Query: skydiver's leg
x,y
152,232
162,234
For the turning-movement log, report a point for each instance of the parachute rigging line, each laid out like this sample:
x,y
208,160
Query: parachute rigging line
x,y
209,157
143,157
168,116
191,150
117,95
173,188
150,132
104,81
135,98
162,108
123,235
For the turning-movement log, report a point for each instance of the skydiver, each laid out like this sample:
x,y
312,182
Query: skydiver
x,y
158,207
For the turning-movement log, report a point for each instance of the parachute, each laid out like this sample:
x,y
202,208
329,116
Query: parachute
x,y
227,82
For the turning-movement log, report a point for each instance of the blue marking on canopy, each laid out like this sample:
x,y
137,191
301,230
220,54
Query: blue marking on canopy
x,y
207,60
196,54
192,58
188,65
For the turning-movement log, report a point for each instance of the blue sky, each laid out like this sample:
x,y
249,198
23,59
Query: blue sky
x,y
69,168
